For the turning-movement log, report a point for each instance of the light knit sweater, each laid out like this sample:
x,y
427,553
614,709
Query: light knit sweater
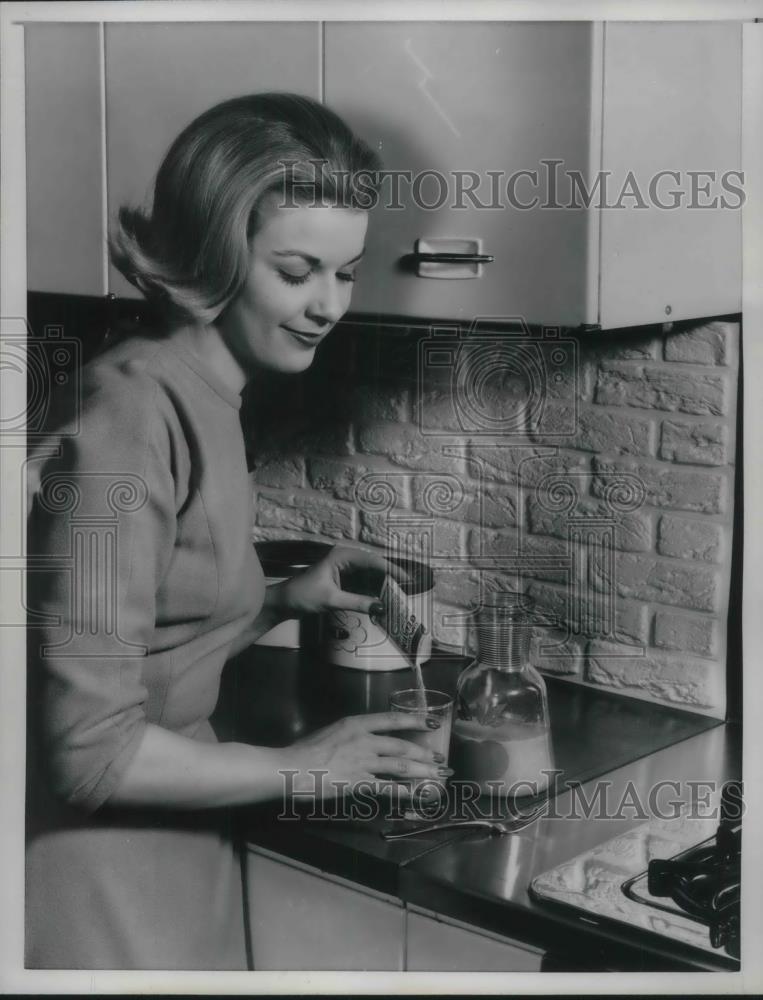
x,y
140,512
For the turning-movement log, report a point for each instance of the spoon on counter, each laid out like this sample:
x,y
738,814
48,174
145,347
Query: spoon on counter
x,y
495,827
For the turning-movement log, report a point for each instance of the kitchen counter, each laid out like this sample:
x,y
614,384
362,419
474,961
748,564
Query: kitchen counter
x,y
273,696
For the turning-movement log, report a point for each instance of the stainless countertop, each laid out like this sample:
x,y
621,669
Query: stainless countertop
x,y
273,696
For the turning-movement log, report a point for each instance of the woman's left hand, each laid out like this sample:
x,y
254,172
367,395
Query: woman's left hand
x,y
319,588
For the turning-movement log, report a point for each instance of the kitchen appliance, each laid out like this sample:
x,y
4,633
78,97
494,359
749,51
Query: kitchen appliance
x,y
281,560
702,882
676,878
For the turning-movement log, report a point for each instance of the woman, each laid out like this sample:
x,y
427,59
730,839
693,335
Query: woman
x,y
249,255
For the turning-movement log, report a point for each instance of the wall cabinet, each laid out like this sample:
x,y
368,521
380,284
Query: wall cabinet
x,y
65,246
601,100
481,118
103,105
672,101
159,77
478,97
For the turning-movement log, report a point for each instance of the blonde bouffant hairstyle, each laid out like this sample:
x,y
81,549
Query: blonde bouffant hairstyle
x,y
190,255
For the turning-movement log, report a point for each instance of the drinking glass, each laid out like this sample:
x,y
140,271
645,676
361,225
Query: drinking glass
x,y
433,705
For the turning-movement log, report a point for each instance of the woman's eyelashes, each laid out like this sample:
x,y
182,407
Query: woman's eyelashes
x,y
299,279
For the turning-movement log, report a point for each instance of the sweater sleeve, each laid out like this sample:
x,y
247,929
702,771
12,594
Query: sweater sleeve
x,y
102,526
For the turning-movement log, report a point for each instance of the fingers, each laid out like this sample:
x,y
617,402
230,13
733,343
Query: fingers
x,y
405,767
346,601
390,746
393,789
343,556
389,721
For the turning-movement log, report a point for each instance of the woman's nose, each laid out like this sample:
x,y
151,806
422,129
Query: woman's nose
x,y
329,304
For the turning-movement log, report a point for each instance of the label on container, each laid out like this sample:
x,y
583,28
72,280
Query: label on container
x,y
401,620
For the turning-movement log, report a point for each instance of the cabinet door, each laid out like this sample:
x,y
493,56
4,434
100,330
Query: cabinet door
x,y
480,97
161,76
299,919
435,945
65,247
671,101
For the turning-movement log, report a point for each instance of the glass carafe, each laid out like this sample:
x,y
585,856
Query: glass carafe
x,y
501,732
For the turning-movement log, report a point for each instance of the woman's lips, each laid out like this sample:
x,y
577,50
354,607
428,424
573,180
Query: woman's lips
x,y
308,339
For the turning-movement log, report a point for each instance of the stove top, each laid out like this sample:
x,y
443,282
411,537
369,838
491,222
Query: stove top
x,y
702,883
676,878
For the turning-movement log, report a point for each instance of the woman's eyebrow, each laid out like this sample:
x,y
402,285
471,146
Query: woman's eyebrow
x,y
313,261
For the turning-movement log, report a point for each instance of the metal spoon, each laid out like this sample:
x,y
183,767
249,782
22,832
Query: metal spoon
x,y
495,827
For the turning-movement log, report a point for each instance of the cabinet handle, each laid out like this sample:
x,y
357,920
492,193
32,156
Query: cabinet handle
x,y
450,258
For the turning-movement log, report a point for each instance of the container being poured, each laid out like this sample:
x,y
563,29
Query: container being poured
x,y
391,640
406,630
501,732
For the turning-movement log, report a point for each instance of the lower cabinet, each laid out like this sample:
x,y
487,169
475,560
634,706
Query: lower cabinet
x,y
302,919
437,943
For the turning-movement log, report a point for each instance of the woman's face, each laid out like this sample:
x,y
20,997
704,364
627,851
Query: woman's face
x,y
300,279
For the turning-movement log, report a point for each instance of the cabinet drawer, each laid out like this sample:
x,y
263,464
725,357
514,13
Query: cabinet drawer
x,y
437,944
300,919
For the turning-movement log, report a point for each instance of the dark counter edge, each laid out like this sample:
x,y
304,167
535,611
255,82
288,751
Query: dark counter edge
x,y
576,944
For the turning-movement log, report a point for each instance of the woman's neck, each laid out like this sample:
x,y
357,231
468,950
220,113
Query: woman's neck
x,y
207,344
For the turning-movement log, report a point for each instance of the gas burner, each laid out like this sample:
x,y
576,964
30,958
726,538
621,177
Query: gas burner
x,y
702,883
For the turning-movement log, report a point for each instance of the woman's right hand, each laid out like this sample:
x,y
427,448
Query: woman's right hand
x,y
363,748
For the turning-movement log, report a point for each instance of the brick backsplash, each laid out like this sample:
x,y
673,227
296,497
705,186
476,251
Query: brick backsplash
x,y
610,503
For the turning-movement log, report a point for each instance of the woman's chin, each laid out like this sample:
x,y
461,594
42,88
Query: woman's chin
x,y
292,362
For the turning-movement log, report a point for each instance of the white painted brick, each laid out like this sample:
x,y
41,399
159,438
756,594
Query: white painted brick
x,y
670,679
644,578
491,542
341,479
557,426
450,626
372,402
553,653
686,633
305,512
500,578
458,586
439,538
614,433
338,478
275,534
631,618
406,447
434,409
712,344
280,472
526,466
632,532
700,539
503,402
455,496
694,443
667,486
448,495
655,388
